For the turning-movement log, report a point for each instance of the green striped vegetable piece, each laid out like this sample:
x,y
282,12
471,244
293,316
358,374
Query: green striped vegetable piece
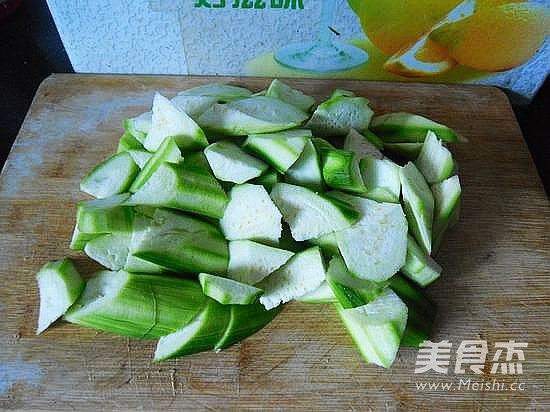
x,y
139,306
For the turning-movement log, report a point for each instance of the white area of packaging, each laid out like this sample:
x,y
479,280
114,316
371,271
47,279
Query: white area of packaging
x,y
174,37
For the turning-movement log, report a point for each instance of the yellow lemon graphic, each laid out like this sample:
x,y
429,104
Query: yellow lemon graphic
x,y
424,58
495,38
393,24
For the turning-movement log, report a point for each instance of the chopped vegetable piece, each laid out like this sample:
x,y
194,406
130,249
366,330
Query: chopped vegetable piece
x,y
167,152
421,312
250,214
341,169
110,177
169,121
110,250
377,332
303,273
420,267
340,113
409,128
232,164
447,196
228,291
376,246
310,215
259,114
287,94
245,320
183,244
141,229
306,171
193,106
60,285
201,334
361,145
381,178
139,126
435,161
107,215
188,188
281,150
139,306
418,203
251,262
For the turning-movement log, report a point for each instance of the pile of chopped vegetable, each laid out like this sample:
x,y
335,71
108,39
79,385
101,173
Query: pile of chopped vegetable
x,y
221,205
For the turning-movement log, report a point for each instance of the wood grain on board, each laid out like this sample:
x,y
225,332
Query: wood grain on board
x,y
494,286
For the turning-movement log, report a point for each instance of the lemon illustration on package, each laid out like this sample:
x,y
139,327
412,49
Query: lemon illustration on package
x,y
426,40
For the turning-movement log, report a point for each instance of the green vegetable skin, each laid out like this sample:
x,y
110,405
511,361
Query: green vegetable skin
x,y
418,203
281,150
167,152
112,176
409,128
421,312
228,291
139,306
60,286
178,219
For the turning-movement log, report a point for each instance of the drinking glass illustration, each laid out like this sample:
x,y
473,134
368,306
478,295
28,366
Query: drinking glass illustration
x,y
325,54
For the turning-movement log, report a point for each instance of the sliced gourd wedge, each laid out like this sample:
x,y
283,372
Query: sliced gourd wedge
x,y
375,247
306,171
201,334
309,214
227,291
303,273
447,197
420,267
110,250
381,178
250,262
60,285
377,327
232,164
183,244
284,92
139,126
108,215
169,121
281,150
361,145
245,320
404,127
339,114
167,152
418,203
188,188
110,177
259,114
139,306
250,214
435,161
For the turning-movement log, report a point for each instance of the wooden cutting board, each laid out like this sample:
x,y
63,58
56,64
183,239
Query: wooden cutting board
x,y
494,286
